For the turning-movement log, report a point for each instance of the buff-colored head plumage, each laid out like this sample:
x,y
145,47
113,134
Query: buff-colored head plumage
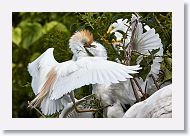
x,y
79,41
83,37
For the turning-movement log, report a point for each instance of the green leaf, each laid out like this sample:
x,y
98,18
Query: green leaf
x,y
54,25
13,65
166,67
134,57
31,32
34,56
49,26
59,41
144,72
146,66
17,35
154,51
62,28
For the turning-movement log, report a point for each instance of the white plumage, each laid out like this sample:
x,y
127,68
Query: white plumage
x,y
70,112
89,70
115,111
144,43
158,105
121,25
52,80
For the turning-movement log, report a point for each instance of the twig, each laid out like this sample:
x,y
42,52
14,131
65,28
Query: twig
x,y
138,15
134,90
32,107
140,89
145,90
75,105
131,45
162,28
146,55
155,82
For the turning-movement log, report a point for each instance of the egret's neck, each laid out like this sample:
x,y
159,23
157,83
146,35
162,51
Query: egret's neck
x,y
79,54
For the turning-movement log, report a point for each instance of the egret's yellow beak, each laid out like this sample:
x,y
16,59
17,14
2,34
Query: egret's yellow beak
x,y
110,29
94,46
116,41
89,46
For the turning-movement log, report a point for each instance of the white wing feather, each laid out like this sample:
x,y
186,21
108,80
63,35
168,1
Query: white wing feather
x,y
147,42
144,42
49,107
89,70
71,75
39,68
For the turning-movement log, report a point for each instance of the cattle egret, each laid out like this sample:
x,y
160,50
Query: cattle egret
x,y
51,80
143,44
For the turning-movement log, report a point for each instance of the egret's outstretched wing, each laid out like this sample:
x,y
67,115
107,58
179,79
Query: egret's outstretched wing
x,y
89,70
51,80
149,41
42,74
39,69
145,42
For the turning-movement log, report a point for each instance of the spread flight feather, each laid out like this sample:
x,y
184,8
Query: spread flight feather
x,y
52,79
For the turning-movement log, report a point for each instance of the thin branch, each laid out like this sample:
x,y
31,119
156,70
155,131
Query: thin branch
x,y
145,55
139,87
33,107
134,90
155,82
145,90
131,45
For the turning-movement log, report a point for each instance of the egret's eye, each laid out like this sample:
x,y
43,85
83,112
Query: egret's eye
x,y
86,45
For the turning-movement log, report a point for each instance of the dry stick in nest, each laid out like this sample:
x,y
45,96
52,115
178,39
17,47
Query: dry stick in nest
x,y
79,110
77,104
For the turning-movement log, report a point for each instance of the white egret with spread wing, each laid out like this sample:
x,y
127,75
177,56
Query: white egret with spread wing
x,y
52,80
143,43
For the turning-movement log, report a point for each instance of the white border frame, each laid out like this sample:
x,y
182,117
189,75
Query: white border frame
x,y
174,123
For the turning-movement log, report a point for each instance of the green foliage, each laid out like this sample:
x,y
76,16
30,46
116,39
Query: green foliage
x,y
146,63
16,35
34,32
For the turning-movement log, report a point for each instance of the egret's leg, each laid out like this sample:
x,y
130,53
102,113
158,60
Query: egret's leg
x,y
73,100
